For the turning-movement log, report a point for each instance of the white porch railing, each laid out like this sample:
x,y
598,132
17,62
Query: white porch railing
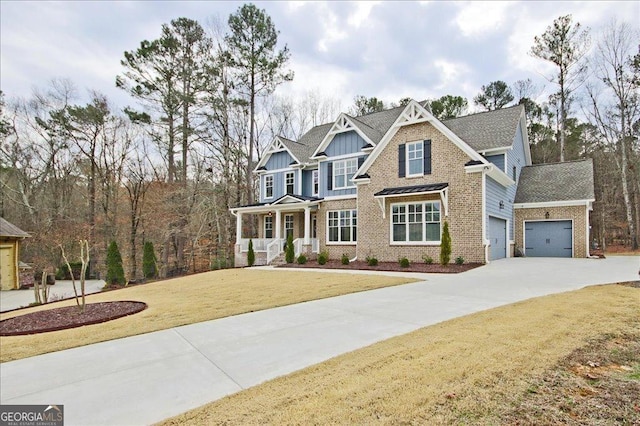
x,y
297,246
315,245
259,244
274,248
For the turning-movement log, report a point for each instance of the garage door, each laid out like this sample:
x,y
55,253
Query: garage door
x,y
7,268
498,237
548,239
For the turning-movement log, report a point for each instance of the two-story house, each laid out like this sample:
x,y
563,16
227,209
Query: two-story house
x,y
383,184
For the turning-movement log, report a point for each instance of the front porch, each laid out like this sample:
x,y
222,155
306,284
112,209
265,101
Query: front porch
x,y
290,215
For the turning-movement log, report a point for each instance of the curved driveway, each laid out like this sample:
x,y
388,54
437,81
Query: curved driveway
x,y
146,378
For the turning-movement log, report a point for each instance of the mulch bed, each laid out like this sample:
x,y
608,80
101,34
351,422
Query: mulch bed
x,y
68,317
388,266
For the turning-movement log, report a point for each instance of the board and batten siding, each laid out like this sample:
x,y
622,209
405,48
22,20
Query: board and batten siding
x,y
307,183
279,160
345,144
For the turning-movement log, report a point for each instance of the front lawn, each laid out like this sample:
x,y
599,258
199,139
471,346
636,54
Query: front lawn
x,y
486,368
191,299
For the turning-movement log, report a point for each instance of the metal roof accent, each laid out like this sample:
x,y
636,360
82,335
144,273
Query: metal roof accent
x,y
403,190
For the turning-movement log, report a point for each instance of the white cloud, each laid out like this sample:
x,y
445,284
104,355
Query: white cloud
x,y
332,29
451,73
361,13
477,19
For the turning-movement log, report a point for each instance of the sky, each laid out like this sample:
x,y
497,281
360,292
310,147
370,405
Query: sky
x,y
389,50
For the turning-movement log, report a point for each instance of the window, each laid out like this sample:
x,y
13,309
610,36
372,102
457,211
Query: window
x,y
315,182
288,225
415,223
268,186
289,178
414,158
268,227
515,171
342,226
343,171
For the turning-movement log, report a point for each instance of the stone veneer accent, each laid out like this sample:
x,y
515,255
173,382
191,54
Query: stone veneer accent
x,y
576,213
465,200
337,250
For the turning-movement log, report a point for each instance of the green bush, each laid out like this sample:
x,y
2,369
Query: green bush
x,y
372,261
302,259
404,262
289,253
219,262
149,261
323,257
445,245
251,255
62,272
115,271
459,260
344,259
427,259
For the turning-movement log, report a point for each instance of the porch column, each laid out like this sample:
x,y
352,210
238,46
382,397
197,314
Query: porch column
x,y
238,227
278,224
307,225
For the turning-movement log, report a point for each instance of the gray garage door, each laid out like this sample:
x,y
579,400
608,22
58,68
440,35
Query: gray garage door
x,y
548,239
498,237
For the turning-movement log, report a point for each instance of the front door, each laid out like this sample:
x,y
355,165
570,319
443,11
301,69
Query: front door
x,y
288,225
314,224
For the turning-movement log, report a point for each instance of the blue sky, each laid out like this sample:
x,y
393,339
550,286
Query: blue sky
x,y
341,49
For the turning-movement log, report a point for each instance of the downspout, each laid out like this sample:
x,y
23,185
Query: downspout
x,y
485,245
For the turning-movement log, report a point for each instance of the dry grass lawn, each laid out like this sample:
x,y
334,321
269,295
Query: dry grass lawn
x,y
469,370
191,299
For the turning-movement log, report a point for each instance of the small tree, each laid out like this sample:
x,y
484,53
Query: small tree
x,y
251,255
149,261
115,271
290,253
445,245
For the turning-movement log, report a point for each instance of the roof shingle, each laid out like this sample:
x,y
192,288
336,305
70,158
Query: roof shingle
x,y
8,229
568,181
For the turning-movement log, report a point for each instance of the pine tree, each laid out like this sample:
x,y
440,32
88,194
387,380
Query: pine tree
x,y
445,245
115,271
149,261
251,255
290,253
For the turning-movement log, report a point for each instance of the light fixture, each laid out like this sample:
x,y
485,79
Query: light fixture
x,y
546,215
501,205
270,214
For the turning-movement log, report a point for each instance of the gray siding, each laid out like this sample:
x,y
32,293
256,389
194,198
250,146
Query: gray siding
x,y
278,185
325,177
307,183
345,143
495,194
515,156
279,160
498,160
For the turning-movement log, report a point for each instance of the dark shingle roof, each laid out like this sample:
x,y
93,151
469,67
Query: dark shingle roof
x,y
401,190
8,229
312,139
300,151
487,130
566,181
381,121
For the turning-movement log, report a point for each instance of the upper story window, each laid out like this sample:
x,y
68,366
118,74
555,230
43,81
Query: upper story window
x,y
414,159
315,182
268,186
415,223
289,179
343,171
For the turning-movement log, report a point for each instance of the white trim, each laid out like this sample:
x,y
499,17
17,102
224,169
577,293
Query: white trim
x,y
406,159
340,197
504,156
444,199
277,145
315,172
524,232
587,233
341,243
343,124
361,181
287,169
485,240
566,203
342,157
264,226
496,151
284,180
300,189
347,180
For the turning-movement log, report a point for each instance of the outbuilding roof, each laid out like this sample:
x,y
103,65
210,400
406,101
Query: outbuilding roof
x,y
567,181
8,229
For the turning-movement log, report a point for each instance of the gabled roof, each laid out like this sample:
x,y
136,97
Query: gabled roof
x,y
487,130
294,198
568,181
8,229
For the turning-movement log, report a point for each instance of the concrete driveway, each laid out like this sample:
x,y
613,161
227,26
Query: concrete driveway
x,y
14,299
144,379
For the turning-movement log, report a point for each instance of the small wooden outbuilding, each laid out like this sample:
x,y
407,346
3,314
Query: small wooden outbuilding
x,y
10,238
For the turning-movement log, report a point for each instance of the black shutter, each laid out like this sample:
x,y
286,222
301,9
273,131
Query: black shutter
x,y
330,176
427,157
402,159
360,161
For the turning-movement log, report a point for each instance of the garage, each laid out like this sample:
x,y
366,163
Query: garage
x,y
498,238
548,238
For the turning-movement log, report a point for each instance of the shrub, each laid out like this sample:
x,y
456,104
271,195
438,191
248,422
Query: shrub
x,y
427,259
445,245
115,271
372,261
404,262
219,262
323,257
302,259
459,260
344,259
251,255
149,261
290,253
